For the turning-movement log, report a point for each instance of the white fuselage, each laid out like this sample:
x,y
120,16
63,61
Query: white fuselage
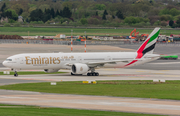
x,y
60,60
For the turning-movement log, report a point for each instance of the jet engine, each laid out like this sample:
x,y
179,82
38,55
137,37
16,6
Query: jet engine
x,y
50,70
79,68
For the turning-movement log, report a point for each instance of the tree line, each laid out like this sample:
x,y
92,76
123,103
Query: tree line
x,y
39,15
94,12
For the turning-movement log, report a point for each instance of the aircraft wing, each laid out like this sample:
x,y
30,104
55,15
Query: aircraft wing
x,y
108,62
101,63
94,64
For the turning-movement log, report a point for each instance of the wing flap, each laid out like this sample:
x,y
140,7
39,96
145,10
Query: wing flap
x,y
109,62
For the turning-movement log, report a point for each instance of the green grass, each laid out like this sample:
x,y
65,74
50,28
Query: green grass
x,y
17,110
140,89
23,31
31,73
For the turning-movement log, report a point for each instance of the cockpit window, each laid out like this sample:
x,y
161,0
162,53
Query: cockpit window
x,y
8,59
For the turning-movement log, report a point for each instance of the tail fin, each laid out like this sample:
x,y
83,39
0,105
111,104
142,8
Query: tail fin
x,y
149,44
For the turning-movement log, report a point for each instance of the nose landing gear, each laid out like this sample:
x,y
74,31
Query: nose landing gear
x,y
15,74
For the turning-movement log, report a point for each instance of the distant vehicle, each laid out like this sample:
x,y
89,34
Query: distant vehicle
x,y
162,38
82,63
135,34
165,39
144,37
167,57
175,37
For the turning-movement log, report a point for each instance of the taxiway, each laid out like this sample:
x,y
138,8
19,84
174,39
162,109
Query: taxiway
x,y
120,104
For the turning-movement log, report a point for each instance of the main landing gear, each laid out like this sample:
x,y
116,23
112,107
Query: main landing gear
x,y
92,73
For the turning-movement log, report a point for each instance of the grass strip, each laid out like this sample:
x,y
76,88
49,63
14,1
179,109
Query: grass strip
x,y
44,111
140,89
31,73
23,31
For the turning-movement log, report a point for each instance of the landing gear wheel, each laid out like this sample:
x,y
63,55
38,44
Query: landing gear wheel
x,y
96,74
88,74
16,75
93,74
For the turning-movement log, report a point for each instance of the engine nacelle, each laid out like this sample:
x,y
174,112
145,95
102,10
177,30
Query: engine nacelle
x,y
50,70
79,68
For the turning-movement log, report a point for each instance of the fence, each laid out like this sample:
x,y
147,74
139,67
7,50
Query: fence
x,y
114,43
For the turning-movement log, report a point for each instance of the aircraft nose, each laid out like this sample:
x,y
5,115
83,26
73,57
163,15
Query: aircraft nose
x,y
4,63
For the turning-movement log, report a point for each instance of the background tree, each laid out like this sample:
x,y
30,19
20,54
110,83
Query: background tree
x,y
18,8
104,17
61,13
46,17
67,4
105,12
119,14
178,22
57,13
11,14
36,15
96,13
174,12
66,12
164,11
52,13
171,23
27,20
3,7
44,6
83,21
100,7
20,11
163,23
8,14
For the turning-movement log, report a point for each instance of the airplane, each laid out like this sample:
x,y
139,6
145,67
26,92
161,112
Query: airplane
x,y
84,63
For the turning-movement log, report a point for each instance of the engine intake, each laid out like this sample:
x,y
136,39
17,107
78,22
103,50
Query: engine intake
x,y
79,68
